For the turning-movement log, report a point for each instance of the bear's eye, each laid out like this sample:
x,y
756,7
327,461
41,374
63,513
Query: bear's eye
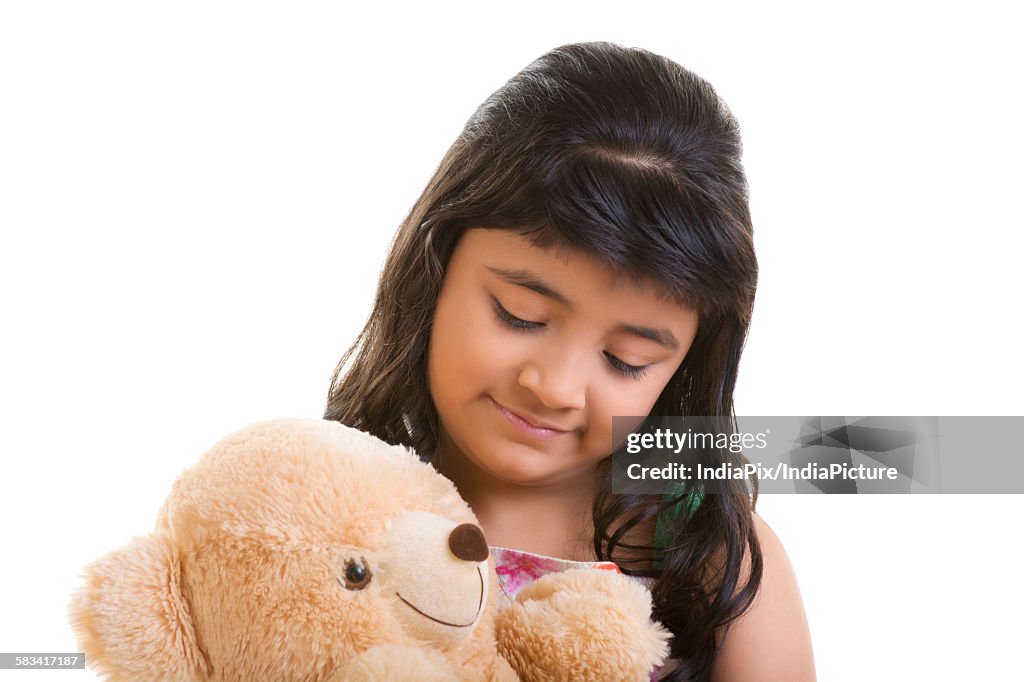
x,y
357,575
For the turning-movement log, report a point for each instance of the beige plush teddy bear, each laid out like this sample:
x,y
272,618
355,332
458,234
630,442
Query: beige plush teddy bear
x,y
307,550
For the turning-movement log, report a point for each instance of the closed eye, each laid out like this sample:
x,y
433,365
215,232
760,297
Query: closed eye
x,y
511,320
631,371
519,324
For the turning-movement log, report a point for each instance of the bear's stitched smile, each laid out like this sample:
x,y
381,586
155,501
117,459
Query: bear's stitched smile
x,y
454,625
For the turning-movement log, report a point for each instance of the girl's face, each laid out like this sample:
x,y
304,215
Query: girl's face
x,y
533,352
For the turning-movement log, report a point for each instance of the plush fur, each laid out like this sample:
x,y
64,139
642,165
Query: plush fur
x,y
306,550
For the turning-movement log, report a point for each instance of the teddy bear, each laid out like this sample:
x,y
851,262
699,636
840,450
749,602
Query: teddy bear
x,y
302,549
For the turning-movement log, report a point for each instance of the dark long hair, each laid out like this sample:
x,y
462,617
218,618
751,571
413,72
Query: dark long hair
x,y
629,157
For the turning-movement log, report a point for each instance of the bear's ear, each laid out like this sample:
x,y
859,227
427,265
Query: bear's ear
x,y
130,617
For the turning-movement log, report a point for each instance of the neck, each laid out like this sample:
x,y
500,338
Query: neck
x,y
553,519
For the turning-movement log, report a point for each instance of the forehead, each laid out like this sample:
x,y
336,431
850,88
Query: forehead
x,y
503,251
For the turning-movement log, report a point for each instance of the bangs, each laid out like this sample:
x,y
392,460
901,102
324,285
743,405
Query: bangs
x,y
642,221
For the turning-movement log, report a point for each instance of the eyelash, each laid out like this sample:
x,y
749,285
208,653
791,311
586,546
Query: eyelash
x,y
631,371
513,321
519,324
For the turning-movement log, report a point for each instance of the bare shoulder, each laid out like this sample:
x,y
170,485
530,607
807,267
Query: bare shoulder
x,y
771,641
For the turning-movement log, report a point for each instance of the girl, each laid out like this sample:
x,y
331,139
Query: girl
x,y
585,250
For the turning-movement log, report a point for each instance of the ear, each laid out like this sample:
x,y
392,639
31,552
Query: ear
x,y
131,619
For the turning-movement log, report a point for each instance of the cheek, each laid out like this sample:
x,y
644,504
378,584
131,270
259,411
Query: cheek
x,y
442,361
625,399
464,352
615,401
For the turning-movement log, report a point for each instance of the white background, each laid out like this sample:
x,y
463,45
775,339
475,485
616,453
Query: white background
x,y
196,198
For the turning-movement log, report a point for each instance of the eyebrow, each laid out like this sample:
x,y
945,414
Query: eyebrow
x,y
659,335
527,279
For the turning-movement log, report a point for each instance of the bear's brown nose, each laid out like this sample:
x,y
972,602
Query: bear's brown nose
x,y
467,542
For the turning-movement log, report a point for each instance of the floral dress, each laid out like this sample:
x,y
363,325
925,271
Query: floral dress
x,y
517,569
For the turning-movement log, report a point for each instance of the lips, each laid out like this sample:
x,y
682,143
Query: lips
x,y
527,422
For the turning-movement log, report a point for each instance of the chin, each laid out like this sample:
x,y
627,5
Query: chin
x,y
514,470
522,471
521,464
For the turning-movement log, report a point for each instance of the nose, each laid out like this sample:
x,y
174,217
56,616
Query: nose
x,y
467,542
556,381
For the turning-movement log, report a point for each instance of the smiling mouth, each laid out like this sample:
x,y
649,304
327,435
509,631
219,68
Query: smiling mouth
x,y
523,424
442,622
